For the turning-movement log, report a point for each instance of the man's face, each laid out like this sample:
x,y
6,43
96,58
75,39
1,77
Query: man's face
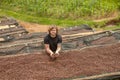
x,y
53,32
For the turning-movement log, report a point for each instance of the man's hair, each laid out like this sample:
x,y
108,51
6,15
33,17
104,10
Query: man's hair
x,y
53,27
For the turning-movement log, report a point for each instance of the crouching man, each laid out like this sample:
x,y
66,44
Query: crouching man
x,y
52,42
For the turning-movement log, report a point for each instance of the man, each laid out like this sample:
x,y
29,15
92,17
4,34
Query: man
x,y
52,42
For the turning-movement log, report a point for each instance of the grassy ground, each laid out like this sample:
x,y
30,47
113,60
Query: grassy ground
x,y
63,9
42,20
61,12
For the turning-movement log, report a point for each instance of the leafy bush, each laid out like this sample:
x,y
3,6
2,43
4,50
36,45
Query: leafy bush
x,y
63,9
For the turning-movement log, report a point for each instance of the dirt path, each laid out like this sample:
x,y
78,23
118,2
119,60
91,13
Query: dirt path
x,y
114,16
33,27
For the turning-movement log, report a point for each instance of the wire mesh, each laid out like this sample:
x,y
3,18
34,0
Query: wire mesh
x,y
34,41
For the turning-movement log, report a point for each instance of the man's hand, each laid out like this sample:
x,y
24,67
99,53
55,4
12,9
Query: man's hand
x,y
52,55
57,54
58,50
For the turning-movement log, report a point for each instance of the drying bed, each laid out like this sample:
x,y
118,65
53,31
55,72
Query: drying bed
x,y
71,64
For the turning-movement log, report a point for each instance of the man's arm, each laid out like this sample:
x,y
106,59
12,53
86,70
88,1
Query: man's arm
x,y
58,48
47,48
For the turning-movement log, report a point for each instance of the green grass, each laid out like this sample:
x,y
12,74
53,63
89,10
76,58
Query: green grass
x,y
61,12
49,21
63,9
42,20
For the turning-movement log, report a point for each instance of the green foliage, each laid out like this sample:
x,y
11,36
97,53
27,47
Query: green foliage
x,y
63,9
42,20
61,12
